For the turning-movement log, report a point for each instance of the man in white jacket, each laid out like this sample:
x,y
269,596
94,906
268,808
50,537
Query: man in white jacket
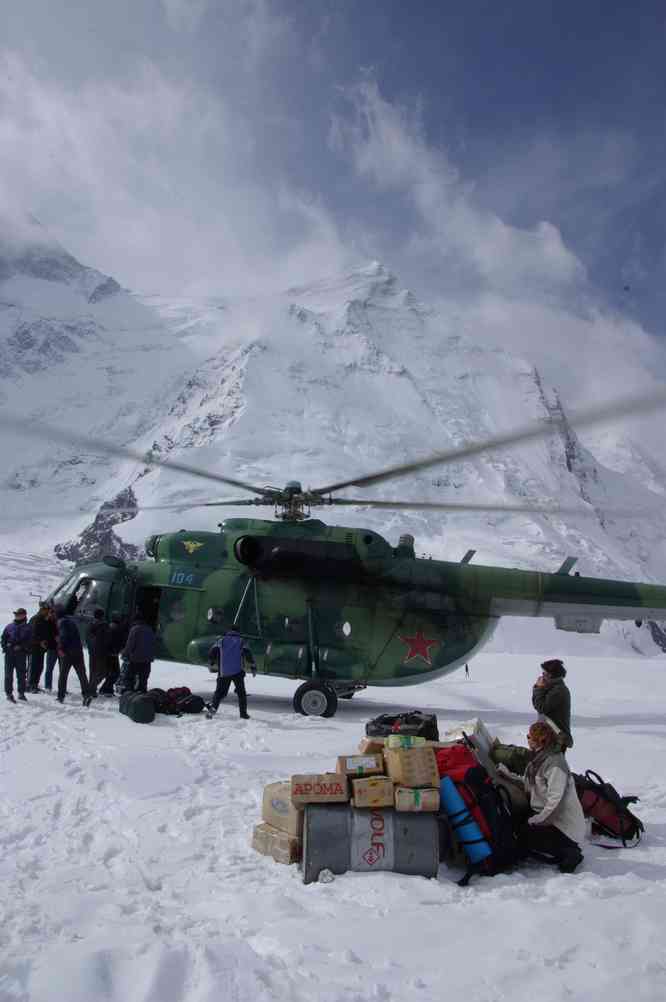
x,y
557,826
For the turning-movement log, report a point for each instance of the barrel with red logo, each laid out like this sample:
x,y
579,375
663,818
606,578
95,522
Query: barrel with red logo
x,y
339,838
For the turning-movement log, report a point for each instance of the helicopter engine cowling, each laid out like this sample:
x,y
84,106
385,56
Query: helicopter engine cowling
x,y
296,557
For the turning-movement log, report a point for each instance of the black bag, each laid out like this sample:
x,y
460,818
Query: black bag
x,y
609,812
493,804
160,699
415,723
138,706
190,704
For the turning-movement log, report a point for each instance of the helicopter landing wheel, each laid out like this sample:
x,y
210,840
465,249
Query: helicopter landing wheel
x,y
314,699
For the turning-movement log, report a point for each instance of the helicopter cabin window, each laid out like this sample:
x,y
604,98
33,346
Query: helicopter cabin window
x,y
82,595
215,615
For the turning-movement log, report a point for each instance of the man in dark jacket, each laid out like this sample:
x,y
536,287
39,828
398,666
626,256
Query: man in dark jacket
x,y
230,653
98,649
552,700
51,649
139,652
43,635
117,640
70,655
16,645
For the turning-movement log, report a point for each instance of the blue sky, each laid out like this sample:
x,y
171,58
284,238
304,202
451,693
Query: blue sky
x,y
515,149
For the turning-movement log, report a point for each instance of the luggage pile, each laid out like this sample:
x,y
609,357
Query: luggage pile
x,y
141,707
405,802
378,809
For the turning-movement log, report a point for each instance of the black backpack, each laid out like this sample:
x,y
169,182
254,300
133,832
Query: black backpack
x,y
609,811
415,723
160,700
492,804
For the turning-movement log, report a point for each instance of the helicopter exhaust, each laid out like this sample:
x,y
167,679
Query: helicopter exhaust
x,y
304,558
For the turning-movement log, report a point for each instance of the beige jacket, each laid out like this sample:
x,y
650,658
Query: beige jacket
x,y
552,794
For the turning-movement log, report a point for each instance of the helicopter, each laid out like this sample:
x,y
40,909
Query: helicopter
x,y
332,607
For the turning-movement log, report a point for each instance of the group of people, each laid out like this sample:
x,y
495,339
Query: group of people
x,y
52,635
555,828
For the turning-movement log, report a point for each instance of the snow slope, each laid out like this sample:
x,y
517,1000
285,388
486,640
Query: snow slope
x,y
128,876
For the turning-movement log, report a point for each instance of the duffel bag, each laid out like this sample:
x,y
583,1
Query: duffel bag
x,y
160,698
414,722
190,704
138,706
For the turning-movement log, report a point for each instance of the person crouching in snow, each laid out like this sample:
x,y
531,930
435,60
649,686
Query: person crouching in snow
x,y
557,827
231,653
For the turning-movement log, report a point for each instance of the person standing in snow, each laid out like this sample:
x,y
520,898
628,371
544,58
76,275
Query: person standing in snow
x,y
230,653
16,645
117,640
51,649
98,649
139,652
70,655
557,826
43,632
552,701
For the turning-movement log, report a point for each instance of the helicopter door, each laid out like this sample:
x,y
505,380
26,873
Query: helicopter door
x,y
147,603
177,620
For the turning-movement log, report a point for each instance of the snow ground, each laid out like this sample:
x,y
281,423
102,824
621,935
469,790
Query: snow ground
x,y
128,876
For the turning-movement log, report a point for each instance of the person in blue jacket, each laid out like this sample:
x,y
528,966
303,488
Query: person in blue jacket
x,y
16,645
231,653
70,655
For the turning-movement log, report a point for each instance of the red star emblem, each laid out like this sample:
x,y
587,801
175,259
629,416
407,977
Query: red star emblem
x,y
419,647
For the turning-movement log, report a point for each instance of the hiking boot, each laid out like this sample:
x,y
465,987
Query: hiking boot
x,y
87,700
245,716
22,697
210,710
10,697
61,699
570,860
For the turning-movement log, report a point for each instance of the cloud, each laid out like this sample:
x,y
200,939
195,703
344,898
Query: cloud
x,y
388,147
184,14
159,182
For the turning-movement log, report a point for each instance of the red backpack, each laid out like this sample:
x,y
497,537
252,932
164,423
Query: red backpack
x,y
609,812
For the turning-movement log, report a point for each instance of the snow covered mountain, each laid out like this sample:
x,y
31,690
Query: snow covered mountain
x,y
345,376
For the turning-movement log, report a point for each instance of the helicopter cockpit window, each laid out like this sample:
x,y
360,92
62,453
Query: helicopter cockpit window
x,y
90,595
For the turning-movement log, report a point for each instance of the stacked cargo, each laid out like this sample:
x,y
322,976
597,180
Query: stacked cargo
x,y
375,812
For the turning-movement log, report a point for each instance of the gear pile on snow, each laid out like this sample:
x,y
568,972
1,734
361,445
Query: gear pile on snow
x,y
402,803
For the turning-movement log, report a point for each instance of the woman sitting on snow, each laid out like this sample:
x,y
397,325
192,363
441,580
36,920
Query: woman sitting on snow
x,y
557,826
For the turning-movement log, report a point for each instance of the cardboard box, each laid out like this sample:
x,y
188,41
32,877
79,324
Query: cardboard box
x,y
269,841
371,746
278,811
408,799
361,765
374,791
319,788
405,741
413,767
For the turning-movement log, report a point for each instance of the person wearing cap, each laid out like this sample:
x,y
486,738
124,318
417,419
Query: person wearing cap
x,y
556,827
43,635
70,655
16,646
552,701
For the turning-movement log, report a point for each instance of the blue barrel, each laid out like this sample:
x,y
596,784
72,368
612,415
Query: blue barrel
x,y
465,827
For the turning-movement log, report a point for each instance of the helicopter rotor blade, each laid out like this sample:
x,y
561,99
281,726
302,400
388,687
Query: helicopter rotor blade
x,y
461,506
587,418
185,506
35,429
